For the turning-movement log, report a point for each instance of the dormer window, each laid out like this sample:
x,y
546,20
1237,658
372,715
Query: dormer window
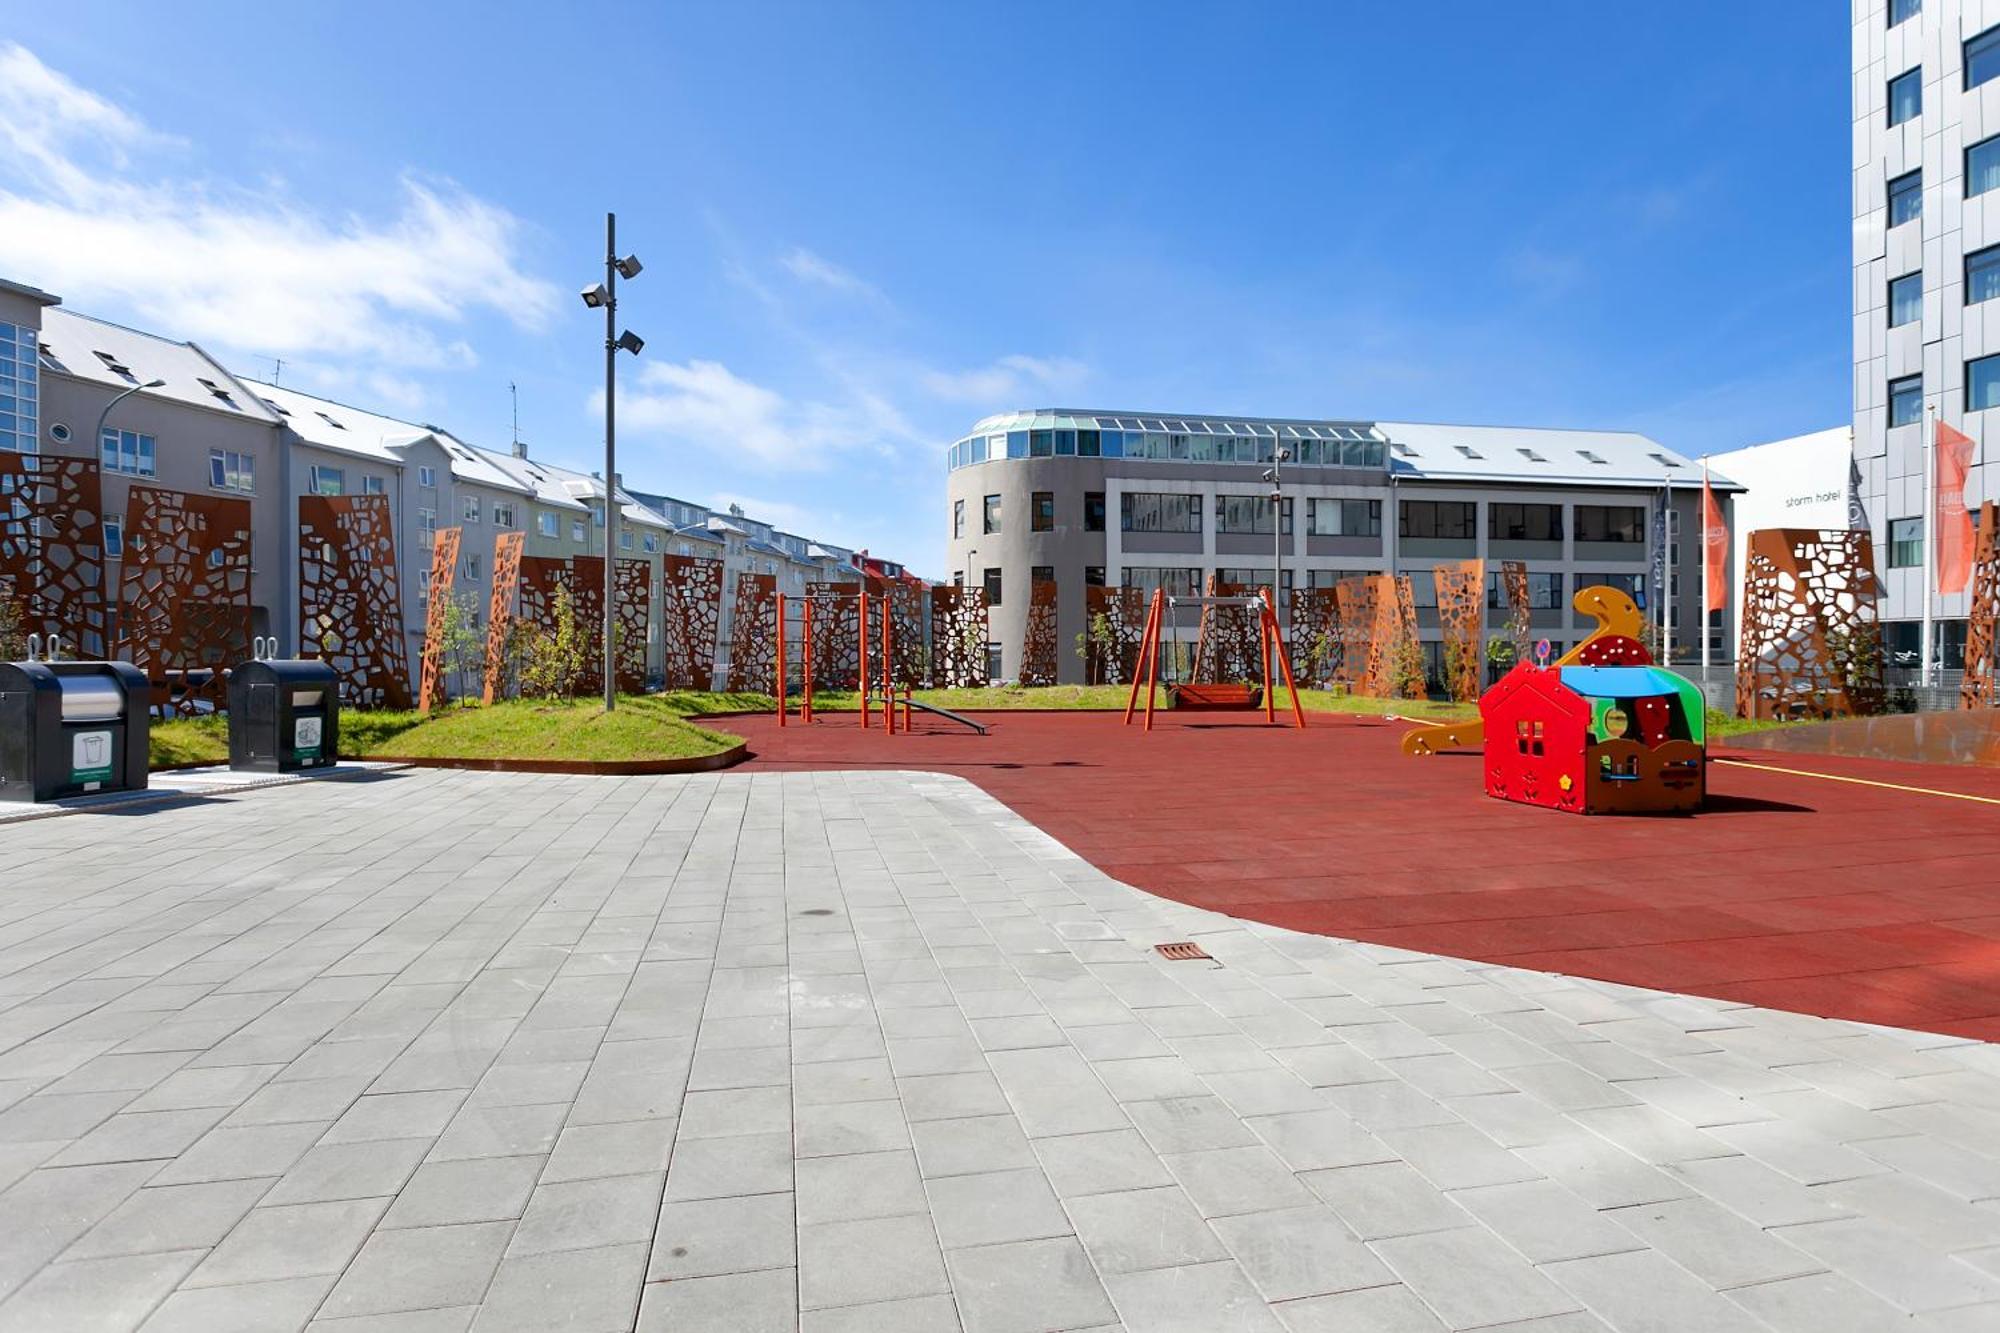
x,y
216,390
279,408
1403,450
114,365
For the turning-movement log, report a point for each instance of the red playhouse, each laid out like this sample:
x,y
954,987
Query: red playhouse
x,y
1595,740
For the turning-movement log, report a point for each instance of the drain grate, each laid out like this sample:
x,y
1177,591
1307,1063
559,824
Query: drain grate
x,y
1182,950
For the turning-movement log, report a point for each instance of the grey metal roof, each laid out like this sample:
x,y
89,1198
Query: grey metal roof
x,y
1531,454
116,357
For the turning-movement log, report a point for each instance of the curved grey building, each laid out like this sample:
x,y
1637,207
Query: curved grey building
x,y
1149,500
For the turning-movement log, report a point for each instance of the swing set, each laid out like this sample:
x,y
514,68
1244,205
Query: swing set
x,y
1270,639
892,700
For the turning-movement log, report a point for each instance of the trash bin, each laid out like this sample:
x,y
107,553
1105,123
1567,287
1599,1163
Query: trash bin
x,y
284,716
72,728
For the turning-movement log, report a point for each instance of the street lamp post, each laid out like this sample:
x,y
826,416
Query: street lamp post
x,y
604,295
968,567
1279,457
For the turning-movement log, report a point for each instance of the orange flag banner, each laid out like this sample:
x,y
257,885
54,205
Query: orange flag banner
x,y
1954,524
1714,549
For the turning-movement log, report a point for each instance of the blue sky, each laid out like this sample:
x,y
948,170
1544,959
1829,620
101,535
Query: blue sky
x,y
866,226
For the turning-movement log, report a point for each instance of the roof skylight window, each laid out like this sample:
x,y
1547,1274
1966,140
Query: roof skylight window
x,y
1531,455
216,389
1590,457
329,420
1662,459
1468,451
114,365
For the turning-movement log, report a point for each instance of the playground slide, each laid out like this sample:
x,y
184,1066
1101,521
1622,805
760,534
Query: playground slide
x,y
1617,616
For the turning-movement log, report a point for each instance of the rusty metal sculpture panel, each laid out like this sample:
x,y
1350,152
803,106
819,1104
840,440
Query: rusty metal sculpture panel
x,y
1316,644
52,548
507,548
1461,593
1520,617
437,615
1117,622
350,609
1980,688
753,634
905,606
184,593
959,635
1038,653
632,580
1228,645
1378,621
1407,660
1812,646
836,636
692,617
541,576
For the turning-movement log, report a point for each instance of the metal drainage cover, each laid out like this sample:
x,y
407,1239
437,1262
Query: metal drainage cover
x,y
1185,949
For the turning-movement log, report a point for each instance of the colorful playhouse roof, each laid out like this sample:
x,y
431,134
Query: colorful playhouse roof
x,y
1621,682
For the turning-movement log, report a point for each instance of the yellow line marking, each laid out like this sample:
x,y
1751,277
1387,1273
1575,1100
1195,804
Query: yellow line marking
x,y
1861,782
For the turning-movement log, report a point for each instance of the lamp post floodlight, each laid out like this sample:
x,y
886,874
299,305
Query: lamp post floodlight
x,y
604,296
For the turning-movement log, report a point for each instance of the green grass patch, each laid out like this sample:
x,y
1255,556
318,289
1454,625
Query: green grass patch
x,y
1079,698
193,740
643,727
1728,724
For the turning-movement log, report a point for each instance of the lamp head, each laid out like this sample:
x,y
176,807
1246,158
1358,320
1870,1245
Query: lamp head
x,y
1285,455
629,341
154,384
629,266
595,296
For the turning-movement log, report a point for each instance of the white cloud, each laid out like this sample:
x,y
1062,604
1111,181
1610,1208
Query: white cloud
x,y
813,270
1001,383
805,520
236,267
705,404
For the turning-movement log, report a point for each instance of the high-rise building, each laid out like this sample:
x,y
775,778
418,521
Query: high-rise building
x,y
1926,182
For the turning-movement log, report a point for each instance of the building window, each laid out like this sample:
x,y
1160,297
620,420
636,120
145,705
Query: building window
x,y
992,577
427,476
427,526
114,537
1452,520
1982,166
503,515
1982,275
327,480
1982,384
469,508
652,543
1093,511
1906,300
1174,582
1524,523
1899,10
957,519
1906,94
1041,574
1610,523
232,471
624,539
1344,518
1147,511
1248,514
1906,198
472,569
1545,591
1982,57
1906,400
1088,444
1042,512
1093,576
130,452
1065,444
576,531
992,515
19,389
1632,585
548,525
1906,543
1041,444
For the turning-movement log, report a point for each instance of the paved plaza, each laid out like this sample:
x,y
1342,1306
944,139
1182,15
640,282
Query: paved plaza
x,y
865,1052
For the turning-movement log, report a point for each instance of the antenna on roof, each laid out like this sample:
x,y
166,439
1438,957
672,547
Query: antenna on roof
x,y
277,369
514,392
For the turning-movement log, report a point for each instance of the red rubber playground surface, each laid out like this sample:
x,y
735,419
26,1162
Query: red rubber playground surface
x,y
1792,891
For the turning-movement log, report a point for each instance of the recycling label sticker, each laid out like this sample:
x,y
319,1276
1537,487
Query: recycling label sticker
x,y
307,736
90,757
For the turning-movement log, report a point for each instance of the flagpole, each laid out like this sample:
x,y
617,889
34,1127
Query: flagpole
x,y
1930,547
1705,562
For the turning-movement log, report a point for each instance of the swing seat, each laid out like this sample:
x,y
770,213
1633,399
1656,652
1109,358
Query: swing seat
x,y
1218,698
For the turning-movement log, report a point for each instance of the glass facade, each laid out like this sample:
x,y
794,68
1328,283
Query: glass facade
x,y
1906,198
20,394
1906,95
1906,543
1982,385
1982,275
1176,439
1982,58
1906,399
1906,300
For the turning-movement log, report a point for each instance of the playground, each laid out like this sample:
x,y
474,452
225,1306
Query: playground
x,y
1828,885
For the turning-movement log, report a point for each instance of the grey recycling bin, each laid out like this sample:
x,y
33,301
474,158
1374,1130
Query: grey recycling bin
x,y
284,716
72,728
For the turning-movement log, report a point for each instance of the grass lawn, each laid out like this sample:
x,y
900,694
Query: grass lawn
x,y
695,703
196,740
642,727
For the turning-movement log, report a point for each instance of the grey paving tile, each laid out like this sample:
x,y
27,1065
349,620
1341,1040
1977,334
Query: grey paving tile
x,y
733,1111
335,1171
761,1302
979,1143
994,1206
396,1115
230,1152
1293,1252
920,1314
715,1168
108,1293
288,1241
1195,1298
1373,1310
864,1185
1027,1286
1891,1264
1189,1124
421,1268
1053,1091
171,1217
578,1291
135,1136
1226,1181
1100,1163
1471,1280
713,1237
1713,1243
254,1307
1316,1140
1821,1303
479,1189
1139,1229
500,1131
628,1147
1385,1199
837,1129
1646,1292
870,1260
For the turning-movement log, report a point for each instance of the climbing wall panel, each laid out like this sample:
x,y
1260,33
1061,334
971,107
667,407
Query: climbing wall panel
x,y
1315,643
1980,689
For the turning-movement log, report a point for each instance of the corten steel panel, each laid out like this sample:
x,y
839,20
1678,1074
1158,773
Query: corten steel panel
x,y
507,547
1520,618
1228,646
631,582
1113,659
692,616
836,636
444,573
1316,645
541,577
184,593
1461,593
1977,690
1378,620
1355,600
1407,663
959,634
1812,645
1038,651
586,591
753,637
907,623
52,548
350,609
